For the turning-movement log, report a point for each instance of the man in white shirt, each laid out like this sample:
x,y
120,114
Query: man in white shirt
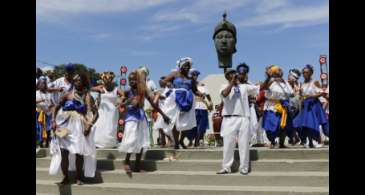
x,y
236,122
64,84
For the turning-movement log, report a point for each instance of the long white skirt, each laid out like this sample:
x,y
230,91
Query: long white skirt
x,y
182,120
106,126
75,142
135,137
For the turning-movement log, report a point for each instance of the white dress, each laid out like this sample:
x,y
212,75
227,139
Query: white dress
x,y
75,142
107,124
182,120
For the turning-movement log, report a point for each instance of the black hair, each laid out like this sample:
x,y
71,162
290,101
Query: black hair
x,y
243,65
39,72
309,67
85,80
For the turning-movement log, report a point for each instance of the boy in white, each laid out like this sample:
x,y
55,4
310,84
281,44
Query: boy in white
x,y
236,122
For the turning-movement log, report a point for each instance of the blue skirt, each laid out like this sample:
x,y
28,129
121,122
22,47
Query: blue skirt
x,y
271,121
312,116
202,124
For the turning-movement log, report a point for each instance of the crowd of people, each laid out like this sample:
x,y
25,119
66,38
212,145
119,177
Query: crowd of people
x,y
74,118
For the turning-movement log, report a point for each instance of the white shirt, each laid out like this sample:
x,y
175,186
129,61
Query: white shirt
x,y
275,92
152,87
237,103
43,96
198,104
60,83
310,88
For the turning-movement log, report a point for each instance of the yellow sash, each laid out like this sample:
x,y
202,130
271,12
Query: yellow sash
x,y
284,115
42,121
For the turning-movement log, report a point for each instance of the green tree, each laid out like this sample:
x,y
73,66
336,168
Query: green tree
x,y
60,71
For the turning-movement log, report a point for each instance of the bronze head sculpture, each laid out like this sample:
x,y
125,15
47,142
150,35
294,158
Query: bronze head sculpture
x,y
225,42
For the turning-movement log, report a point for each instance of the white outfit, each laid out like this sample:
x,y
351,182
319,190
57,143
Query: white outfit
x,y
259,137
60,83
310,88
277,91
75,142
182,120
151,86
237,126
107,124
43,96
200,105
136,137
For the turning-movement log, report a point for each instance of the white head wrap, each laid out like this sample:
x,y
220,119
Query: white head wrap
x,y
183,60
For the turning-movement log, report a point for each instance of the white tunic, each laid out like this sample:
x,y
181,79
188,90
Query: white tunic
x,y
200,105
60,83
277,91
43,96
236,104
182,120
310,88
107,124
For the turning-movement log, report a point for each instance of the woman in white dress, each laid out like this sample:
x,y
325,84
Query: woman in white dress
x,y
75,114
107,124
136,132
180,103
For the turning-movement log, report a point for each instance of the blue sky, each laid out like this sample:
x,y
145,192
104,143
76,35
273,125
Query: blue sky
x,y
103,34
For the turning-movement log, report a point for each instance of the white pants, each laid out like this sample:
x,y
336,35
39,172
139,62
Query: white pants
x,y
241,133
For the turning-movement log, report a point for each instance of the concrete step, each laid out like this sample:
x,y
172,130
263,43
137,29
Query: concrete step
x,y
49,187
202,178
209,165
216,153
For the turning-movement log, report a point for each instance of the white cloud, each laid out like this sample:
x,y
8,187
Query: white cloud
x,y
199,11
291,16
63,8
268,5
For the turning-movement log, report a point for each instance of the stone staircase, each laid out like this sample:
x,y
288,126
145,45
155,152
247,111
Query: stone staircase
x,y
273,171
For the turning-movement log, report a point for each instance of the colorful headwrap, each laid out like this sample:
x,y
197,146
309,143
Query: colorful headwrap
x,y
145,69
274,69
194,71
107,76
183,60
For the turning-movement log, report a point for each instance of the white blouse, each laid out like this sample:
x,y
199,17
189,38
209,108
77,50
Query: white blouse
x,y
277,91
310,88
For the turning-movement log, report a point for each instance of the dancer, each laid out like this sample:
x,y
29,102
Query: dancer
x,y
44,108
74,117
276,121
159,99
294,102
136,132
63,84
312,114
202,108
236,122
107,124
180,104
